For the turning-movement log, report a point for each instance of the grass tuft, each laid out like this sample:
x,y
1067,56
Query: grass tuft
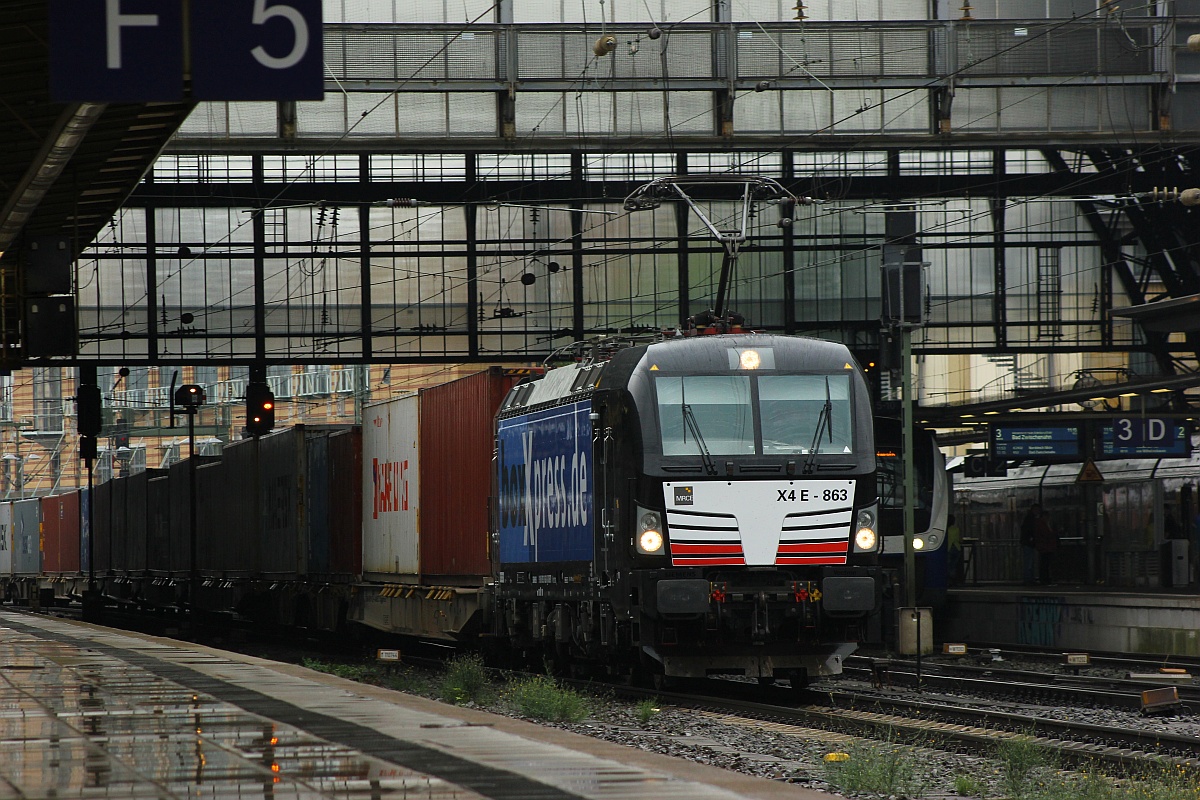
x,y
886,768
969,786
646,710
541,698
465,681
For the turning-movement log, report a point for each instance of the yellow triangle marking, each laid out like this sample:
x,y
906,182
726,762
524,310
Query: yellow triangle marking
x,y
1089,473
848,366
653,367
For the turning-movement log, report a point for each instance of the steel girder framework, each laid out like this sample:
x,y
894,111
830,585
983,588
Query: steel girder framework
x,y
469,300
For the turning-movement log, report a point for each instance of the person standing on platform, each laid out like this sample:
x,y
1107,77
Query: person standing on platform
x,y
1045,541
1029,556
954,553
1195,549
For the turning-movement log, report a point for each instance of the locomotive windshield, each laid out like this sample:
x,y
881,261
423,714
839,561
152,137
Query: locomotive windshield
x,y
754,414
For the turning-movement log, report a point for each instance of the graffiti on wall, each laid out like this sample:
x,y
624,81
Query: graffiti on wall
x,y
1040,620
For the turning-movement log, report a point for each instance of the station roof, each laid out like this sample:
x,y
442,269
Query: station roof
x,y
65,168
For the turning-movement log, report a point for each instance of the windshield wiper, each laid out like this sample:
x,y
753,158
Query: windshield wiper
x,y
824,423
689,420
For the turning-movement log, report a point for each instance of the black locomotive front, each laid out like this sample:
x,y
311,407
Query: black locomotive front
x,y
738,488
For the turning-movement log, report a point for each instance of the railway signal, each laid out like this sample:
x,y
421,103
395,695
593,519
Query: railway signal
x,y
260,409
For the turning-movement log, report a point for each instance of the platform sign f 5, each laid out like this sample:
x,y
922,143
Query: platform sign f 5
x,y
114,51
133,50
257,50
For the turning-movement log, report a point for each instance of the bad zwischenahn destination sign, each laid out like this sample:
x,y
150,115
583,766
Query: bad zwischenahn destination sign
x,y
1046,441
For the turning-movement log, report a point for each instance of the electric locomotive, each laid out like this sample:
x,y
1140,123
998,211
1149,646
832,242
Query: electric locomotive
x,y
692,506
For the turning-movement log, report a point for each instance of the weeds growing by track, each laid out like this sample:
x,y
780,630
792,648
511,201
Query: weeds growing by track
x,y
1020,768
1023,769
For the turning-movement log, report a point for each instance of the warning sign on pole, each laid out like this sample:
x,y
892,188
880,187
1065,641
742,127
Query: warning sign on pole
x,y
1089,473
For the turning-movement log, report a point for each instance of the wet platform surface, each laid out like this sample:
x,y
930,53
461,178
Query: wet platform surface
x,y
92,712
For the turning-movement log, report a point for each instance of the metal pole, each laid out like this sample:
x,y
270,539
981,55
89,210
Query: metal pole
x,y
910,488
917,611
195,571
91,529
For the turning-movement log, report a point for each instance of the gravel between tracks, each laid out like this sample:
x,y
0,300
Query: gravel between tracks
x,y
796,755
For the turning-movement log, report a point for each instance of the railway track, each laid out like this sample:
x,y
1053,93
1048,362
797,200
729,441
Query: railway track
x,y
932,723
1019,685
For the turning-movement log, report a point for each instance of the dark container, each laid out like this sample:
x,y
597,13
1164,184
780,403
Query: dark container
x,y
60,534
456,444
225,494
118,525
177,549
158,524
26,533
85,531
102,527
345,503
137,529
281,491
316,503
180,504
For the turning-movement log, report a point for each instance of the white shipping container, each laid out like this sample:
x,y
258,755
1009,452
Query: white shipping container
x,y
6,539
391,491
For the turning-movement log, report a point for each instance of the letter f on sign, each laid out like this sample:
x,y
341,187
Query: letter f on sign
x,y
114,21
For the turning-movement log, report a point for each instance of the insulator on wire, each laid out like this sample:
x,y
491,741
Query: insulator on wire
x,y
966,8
1168,194
402,202
800,15
604,45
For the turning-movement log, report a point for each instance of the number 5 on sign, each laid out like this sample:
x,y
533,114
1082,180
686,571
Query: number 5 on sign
x,y
257,50
262,13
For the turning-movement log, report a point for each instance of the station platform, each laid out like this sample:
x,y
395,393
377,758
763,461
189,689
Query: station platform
x,y
1086,618
88,712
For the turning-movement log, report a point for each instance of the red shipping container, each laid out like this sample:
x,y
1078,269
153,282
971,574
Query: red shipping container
x,y
60,533
456,443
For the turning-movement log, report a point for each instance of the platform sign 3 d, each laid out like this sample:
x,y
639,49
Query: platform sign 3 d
x,y
113,51
1145,436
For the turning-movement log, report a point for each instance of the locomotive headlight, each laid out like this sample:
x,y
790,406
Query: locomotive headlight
x,y
918,543
750,359
866,540
649,533
650,542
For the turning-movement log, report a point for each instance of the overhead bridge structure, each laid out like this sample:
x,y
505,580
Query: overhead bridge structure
x,y
458,194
